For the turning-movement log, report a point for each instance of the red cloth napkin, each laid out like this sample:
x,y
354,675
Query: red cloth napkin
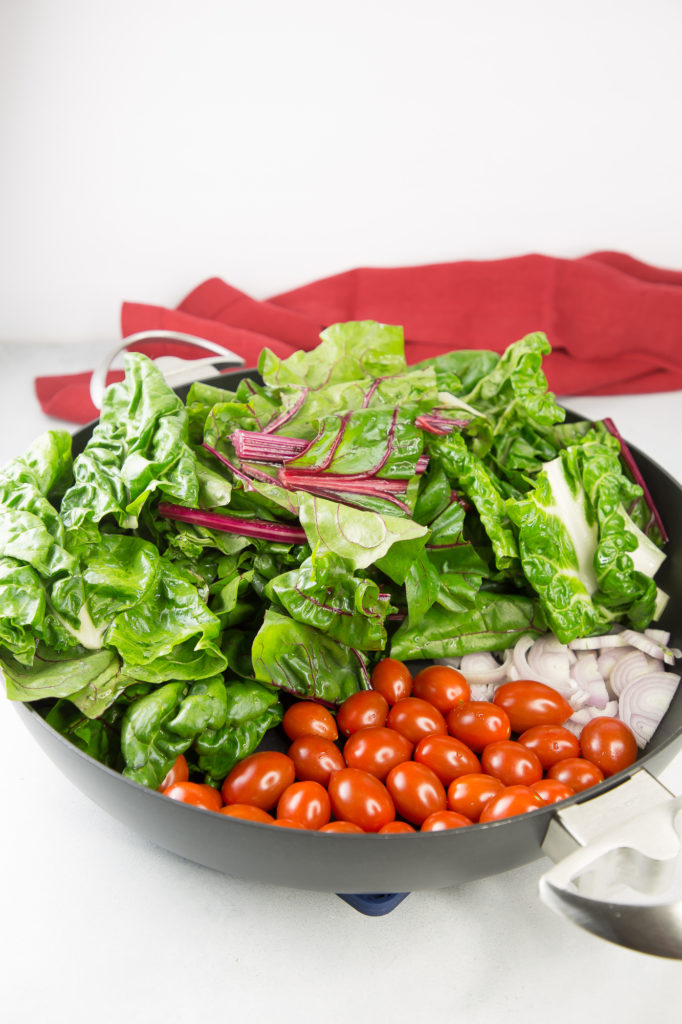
x,y
615,324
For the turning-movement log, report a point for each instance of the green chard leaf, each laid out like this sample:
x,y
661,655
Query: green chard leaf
x,y
625,561
23,604
347,352
250,711
98,737
149,745
323,593
170,633
456,562
138,447
516,387
377,440
302,660
459,372
400,557
516,413
422,587
201,398
221,723
474,481
91,678
359,536
435,494
580,550
495,623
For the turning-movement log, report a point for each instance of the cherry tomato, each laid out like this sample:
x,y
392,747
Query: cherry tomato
x,y
306,718
415,718
178,773
288,823
393,679
305,802
477,723
416,790
469,794
361,798
377,750
551,743
511,801
260,779
442,686
576,772
441,820
529,703
196,793
447,757
315,758
248,812
394,827
341,826
511,762
551,791
608,743
363,710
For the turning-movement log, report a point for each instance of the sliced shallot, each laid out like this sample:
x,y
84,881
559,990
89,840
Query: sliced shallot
x,y
452,662
650,646
586,669
632,666
584,715
597,643
608,658
483,669
599,676
661,636
482,691
520,668
644,701
551,659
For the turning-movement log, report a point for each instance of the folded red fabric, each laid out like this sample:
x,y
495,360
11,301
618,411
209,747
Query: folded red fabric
x,y
614,323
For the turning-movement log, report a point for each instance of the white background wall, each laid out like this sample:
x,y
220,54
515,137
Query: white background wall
x,y
147,144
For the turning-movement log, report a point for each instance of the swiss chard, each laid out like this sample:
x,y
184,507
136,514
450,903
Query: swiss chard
x,y
348,352
359,536
325,594
493,624
250,710
375,442
220,721
304,661
139,446
474,480
92,679
170,633
580,550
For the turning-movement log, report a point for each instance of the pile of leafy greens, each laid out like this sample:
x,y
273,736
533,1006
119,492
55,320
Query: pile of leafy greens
x,y
160,591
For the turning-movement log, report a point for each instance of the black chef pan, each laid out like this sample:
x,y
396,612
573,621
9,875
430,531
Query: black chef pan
x,y
354,863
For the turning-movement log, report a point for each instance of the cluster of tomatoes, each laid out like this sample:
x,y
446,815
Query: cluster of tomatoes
x,y
417,754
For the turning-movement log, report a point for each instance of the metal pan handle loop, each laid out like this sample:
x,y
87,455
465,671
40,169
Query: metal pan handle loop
x,y
99,375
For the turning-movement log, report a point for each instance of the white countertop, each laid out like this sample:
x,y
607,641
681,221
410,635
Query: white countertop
x,y
99,924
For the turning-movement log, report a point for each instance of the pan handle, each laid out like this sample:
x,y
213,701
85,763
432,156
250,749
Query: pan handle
x,y
99,374
619,871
